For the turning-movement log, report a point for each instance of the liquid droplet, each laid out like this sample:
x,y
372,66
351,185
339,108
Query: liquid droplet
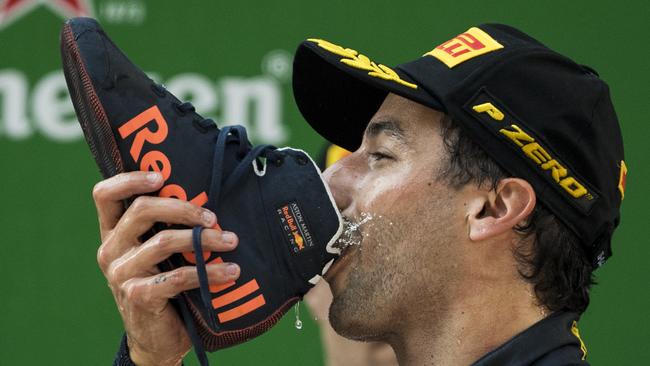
x,y
298,322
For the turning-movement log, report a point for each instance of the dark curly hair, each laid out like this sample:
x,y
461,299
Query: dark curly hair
x,y
553,261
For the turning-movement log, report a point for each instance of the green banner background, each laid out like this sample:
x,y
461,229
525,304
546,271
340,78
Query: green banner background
x,y
233,60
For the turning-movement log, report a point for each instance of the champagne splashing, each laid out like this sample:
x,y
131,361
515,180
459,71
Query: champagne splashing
x,y
352,234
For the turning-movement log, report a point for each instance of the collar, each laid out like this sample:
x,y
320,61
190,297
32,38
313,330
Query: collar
x,y
553,341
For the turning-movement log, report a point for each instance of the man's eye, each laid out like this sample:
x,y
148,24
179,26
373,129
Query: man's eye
x,y
376,156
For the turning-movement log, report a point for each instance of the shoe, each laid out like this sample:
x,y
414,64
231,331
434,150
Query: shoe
x,y
274,199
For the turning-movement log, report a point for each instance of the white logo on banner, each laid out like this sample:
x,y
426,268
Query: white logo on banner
x,y
45,107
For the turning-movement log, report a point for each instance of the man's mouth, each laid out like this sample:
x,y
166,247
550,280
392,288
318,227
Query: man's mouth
x,y
339,263
352,235
349,240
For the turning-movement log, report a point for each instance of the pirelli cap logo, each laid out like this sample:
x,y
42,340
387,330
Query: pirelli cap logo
x,y
465,46
525,143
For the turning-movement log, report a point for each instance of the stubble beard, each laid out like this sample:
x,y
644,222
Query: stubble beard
x,y
362,309
398,268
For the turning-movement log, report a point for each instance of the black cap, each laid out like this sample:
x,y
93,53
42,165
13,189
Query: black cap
x,y
538,114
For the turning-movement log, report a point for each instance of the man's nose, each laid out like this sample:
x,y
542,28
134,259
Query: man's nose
x,y
341,178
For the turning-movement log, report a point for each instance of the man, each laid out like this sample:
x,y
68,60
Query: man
x,y
339,351
486,179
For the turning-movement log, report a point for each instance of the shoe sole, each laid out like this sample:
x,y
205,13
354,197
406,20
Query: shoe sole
x,y
90,112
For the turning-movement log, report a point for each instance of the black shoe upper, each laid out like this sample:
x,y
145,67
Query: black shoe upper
x,y
273,199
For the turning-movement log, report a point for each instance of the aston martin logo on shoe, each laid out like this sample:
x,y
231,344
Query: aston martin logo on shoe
x,y
295,227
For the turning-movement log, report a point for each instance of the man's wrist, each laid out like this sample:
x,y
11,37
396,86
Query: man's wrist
x,y
140,358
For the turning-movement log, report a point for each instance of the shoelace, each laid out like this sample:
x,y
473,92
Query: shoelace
x,y
217,188
250,160
202,124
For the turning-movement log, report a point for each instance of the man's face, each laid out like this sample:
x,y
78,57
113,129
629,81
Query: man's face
x,y
410,223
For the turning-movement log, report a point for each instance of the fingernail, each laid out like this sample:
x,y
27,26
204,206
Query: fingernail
x,y
232,269
228,237
153,177
208,218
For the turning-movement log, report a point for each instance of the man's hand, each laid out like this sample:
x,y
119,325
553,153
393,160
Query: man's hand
x,y
156,335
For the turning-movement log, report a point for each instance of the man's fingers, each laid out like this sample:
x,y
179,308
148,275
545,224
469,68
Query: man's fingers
x,y
109,194
140,217
164,244
147,210
152,293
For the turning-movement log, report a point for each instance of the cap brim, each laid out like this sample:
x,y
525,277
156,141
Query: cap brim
x,y
338,100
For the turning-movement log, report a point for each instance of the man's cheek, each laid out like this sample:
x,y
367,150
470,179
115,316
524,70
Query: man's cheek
x,y
383,194
382,239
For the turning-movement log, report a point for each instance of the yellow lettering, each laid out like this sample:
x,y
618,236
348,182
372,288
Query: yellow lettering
x,y
334,48
557,170
490,109
572,186
354,59
517,136
536,153
540,156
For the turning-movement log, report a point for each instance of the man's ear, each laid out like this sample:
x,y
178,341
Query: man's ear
x,y
499,211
